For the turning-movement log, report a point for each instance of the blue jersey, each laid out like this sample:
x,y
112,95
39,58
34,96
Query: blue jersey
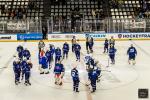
x,y
26,53
66,47
112,51
24,64
52,49
132,51
58,52
77,47
16,67
26,67
59,68
75,74
98,71
44,62
48,54
106,43
92,75
20,55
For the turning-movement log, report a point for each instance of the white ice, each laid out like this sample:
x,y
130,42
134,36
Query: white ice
x,y
122,83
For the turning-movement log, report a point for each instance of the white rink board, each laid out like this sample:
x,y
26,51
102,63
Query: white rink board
x,y
8,37
65,36
100,36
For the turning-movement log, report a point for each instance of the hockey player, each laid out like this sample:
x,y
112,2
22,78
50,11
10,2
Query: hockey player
x,y
87,43
57,54
26,54
65,50
20,52
17,70
41,45
92,74
40,55
77,49
112,51
27,72
44,65
48,56
59,73
87,60
73,43
132,52
112,41
75,78
106,46
91,43
52,50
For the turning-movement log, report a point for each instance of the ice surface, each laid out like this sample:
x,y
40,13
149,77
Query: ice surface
x,y
121,83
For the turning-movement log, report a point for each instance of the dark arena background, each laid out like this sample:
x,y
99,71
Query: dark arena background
x,y
35,64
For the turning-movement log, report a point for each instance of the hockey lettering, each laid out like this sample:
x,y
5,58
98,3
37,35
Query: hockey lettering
x,y
97,35
134,36
69,36
6,37
56,36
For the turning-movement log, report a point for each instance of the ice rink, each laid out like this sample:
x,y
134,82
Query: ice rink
x,y
121,83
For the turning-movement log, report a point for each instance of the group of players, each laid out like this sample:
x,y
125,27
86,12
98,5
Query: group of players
x,y
22,65
46,57
109,47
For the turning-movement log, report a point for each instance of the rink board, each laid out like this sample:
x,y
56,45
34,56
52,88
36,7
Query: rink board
x,y
68,36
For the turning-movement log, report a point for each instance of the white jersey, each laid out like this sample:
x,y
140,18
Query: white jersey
x,y
87,58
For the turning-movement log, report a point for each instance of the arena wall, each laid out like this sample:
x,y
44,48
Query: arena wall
x,y
33,37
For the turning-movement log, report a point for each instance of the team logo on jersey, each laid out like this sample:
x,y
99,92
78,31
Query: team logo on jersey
x,y
119,35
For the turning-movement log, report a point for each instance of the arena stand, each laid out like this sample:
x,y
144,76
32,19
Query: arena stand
x,y
23,16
